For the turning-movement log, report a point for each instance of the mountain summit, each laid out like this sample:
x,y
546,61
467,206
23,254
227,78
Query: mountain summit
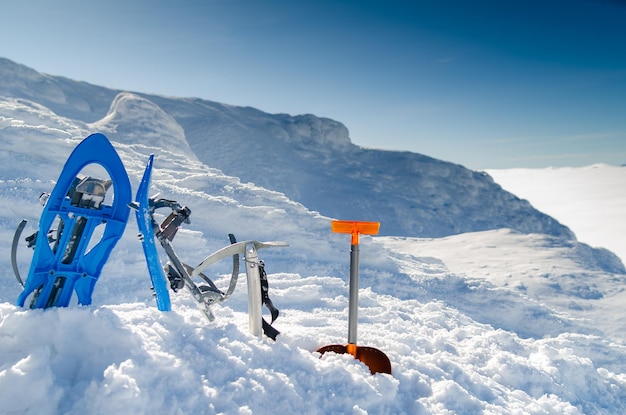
x,y
310,159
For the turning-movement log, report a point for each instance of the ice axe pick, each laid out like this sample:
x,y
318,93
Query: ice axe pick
x,y
376,360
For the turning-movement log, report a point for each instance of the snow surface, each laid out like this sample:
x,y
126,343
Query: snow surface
x,y
586,197
490,322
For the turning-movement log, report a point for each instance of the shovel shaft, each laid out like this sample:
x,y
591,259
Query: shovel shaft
x,y
353,305
377,361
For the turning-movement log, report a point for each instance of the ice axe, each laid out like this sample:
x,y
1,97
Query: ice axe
x,y
376,360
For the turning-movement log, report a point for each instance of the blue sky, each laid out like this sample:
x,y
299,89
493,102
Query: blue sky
x,y
486,84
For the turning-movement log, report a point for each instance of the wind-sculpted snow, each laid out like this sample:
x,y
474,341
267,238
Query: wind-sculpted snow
x,y
309,159
494,322
67,98
569,277
135,120
417,195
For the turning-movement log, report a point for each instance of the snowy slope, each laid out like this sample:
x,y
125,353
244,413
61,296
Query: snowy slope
x,y
544,269
497,322
312,161
309,159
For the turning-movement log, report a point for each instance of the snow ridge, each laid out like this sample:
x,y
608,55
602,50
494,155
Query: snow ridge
x,y
309,159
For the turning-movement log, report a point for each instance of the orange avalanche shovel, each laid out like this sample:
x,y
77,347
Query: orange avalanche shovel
x,y
377,361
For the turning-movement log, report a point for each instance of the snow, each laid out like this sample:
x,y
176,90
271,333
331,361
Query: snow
x,y
310,160
493,321
576,203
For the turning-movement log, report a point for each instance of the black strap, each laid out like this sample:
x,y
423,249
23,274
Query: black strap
x,y
269,331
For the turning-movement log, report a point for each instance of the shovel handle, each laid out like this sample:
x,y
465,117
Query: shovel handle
x,y
355,228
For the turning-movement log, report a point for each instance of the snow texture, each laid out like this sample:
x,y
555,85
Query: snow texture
x,y
498,310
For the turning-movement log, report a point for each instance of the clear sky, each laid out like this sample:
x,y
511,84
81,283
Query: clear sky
x,y
484,83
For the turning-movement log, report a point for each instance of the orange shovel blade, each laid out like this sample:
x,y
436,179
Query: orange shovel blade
x,y
374,359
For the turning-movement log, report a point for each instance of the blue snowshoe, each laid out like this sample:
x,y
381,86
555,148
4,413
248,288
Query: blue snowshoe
x,y
78,229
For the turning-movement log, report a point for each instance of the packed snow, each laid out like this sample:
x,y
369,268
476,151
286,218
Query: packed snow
x,y
498,321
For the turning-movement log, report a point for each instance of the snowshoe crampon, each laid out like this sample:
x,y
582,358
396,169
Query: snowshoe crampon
x,y
178,274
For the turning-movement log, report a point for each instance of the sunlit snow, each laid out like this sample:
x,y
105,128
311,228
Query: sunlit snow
x,y
497,321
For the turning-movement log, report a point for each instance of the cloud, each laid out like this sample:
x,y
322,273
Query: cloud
x,y
446,60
